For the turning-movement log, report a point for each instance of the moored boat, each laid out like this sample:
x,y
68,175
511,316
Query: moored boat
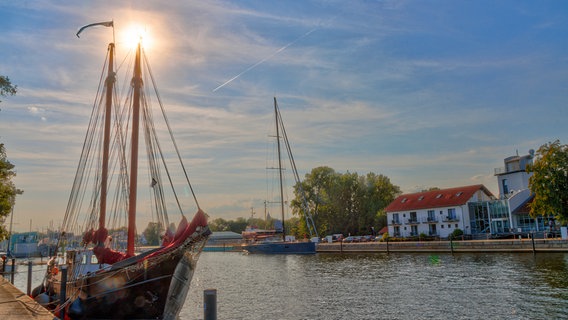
x,y
106,277
275,241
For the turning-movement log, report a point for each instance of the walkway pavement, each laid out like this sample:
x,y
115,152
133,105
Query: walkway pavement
x,y
16,305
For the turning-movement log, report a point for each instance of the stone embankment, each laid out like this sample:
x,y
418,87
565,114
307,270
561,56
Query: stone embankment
x,y
517,245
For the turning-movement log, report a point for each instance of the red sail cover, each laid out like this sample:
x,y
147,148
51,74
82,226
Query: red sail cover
x,y
184,231
109,256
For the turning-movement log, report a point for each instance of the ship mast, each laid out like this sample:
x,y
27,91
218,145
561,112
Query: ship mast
x,y
109,83
137,83
280,169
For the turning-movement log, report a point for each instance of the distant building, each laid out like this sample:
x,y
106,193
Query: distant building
x,y
440,212
473,209
513,181
224,237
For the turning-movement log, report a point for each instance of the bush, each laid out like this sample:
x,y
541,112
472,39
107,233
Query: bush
x,y
456,234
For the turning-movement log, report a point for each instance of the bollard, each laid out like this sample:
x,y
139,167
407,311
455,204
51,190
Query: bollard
x,y
532,237
210,304
29,278
63,294
13,270
388,250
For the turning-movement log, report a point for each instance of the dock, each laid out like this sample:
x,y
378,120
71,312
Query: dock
x,y
16,305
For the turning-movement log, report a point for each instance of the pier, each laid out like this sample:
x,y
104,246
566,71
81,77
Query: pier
x,y
15,305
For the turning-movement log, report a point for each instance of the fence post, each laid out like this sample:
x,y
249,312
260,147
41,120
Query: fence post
x,y
63,290
13,270
29,278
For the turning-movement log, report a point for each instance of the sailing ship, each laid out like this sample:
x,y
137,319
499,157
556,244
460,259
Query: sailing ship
x,y
105,276
280,243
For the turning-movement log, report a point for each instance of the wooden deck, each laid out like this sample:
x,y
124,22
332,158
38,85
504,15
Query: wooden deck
x,y
15,304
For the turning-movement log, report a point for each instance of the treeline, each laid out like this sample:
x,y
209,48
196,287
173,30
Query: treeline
x,y
339,203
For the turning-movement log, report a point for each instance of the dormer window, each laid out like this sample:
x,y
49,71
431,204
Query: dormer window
x,y
404,200
439,196
459,194
421,197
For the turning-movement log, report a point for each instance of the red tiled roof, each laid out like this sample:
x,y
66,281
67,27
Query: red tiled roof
x,y
436,198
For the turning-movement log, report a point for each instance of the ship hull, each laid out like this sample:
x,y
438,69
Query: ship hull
x,y
281,248
150,287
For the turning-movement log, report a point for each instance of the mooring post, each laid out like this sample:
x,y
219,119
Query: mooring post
x,y
452,245
532,237
388,251
13,271
63,290
210,304
29,277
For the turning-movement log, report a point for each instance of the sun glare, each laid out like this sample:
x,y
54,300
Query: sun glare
x,y
135,34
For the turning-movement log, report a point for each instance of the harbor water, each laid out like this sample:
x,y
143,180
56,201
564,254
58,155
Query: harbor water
x,y
377,286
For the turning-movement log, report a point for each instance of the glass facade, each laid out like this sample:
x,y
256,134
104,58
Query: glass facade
x,y
489,217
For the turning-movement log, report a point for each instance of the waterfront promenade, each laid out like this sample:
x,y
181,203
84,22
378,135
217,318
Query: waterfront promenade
x,y
16,305
509,245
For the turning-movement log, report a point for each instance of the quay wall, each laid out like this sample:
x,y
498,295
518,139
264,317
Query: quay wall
x,y
516,245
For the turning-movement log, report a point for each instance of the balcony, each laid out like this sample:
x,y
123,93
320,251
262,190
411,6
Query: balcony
x,y
431,220
395,222
450,219
412,221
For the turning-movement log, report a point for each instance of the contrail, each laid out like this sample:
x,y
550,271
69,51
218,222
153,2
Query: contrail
x,y
261,61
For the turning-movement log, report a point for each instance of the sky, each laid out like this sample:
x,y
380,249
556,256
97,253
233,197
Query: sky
x,y
427,93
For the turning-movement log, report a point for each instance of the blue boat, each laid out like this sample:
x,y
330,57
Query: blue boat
x,y
281,247
268,241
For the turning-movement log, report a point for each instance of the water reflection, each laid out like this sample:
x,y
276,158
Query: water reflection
x,y
381,286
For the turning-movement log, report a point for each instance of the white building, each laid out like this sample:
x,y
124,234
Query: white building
x,y
513,181
440,212
473,209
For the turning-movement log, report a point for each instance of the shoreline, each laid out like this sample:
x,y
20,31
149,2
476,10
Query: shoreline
x,y
504,245
493,245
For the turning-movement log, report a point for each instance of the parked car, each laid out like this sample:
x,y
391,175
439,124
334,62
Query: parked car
x,y
351,239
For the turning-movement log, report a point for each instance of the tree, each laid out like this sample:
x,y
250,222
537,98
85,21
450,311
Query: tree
x,y
549,182
344,203
8,190
152,233
6,87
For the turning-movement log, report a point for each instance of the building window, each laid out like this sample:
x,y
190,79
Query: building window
x,y
452,213
505,186
431,215
414,230
395,219
442,226
456,225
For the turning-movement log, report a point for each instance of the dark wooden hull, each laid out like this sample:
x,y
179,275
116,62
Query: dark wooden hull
x,y
150,287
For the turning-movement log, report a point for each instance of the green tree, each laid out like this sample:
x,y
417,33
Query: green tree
x,y
219,224
152,233
8,190
344,203
549,181
6,87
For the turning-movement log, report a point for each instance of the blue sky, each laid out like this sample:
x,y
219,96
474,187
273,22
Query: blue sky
x,y
428,93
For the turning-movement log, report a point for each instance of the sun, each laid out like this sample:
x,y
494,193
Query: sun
x,y
134,34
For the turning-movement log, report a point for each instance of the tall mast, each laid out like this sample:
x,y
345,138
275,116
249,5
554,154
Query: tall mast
x,y
137,83
280,169
109,83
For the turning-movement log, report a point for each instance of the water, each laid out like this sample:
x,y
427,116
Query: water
x,y
379,286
